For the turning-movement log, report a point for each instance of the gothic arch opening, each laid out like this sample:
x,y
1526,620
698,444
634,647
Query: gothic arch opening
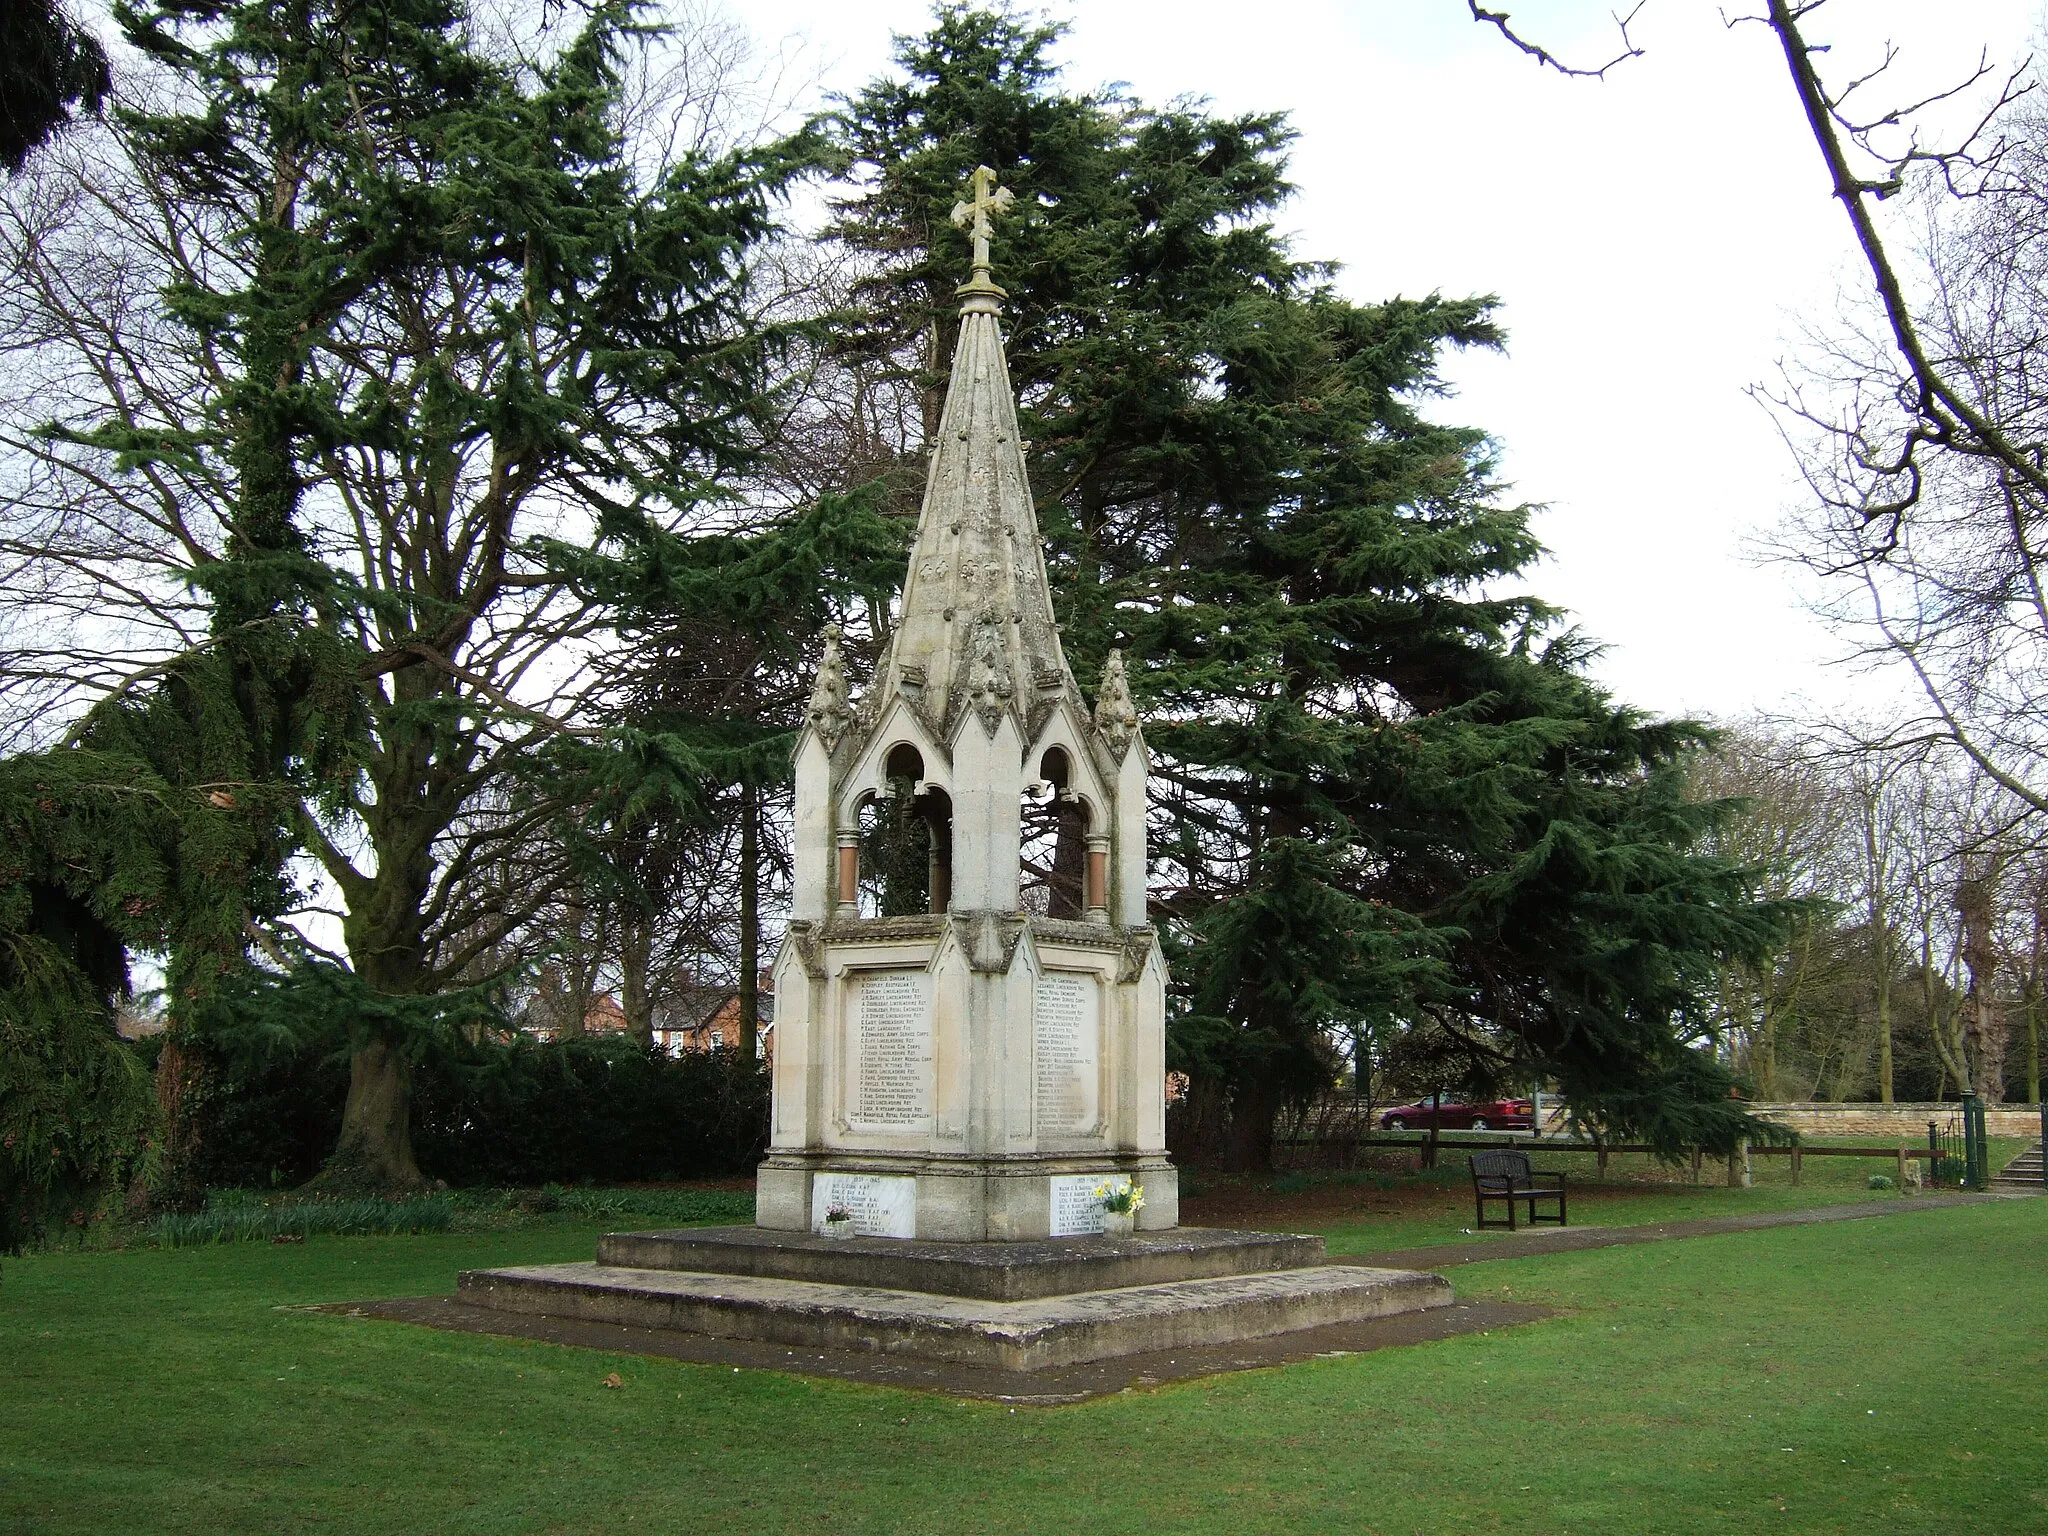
x,y
906,841
1053,842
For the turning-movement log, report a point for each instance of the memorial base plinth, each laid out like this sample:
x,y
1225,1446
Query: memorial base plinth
x,y
961,1199
989,1271
1008,1306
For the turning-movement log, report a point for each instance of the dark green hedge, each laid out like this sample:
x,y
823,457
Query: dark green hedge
x,y
593,1109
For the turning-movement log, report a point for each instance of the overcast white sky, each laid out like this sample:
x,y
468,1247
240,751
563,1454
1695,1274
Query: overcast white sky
x,y
1655,239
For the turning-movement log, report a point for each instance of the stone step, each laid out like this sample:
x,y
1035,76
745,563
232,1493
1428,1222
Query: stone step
x,y
1009,1335
1019,1271
2023,1172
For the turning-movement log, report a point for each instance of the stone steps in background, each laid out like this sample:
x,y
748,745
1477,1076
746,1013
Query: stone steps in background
x,y
2023,1171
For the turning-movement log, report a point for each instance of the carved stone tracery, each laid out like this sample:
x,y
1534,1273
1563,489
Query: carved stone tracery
x,y
989,685
828,713
1116,716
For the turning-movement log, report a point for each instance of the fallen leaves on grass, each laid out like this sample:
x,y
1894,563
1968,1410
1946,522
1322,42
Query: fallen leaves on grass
x,y
613,1380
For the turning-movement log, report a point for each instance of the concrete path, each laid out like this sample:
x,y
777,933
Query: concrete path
x,y
1523,1245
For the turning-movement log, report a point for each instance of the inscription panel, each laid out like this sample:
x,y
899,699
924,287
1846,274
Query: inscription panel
x,y
1067,1055
883,1205
891,1086
1075,1210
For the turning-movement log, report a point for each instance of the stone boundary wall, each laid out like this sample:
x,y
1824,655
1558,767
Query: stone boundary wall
x,y
1818,1121
1821,1121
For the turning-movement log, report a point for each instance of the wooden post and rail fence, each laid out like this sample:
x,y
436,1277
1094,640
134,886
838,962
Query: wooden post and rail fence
x,y
1957,1151
1901,1155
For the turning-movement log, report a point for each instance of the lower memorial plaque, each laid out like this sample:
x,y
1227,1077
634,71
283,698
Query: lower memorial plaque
x,y
1075,1210
883,1205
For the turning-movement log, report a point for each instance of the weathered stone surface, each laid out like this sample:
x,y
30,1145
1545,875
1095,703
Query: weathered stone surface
x,y
962,1200
1014,1335
1052,1387
1014,1271
975,1035
1908,1122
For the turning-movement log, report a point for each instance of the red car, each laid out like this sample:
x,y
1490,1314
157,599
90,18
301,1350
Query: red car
x,y
1494,1115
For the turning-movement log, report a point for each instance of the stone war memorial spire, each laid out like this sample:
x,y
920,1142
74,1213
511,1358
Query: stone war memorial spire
x,y
973,1071
956,1088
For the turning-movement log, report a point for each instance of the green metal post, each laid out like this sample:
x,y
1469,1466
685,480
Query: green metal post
x,y
1970,1171
2044,1142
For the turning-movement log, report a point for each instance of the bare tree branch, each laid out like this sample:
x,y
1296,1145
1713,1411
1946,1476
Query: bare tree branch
x,y
1543,56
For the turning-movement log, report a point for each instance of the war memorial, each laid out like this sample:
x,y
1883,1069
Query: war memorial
x,y
956,1087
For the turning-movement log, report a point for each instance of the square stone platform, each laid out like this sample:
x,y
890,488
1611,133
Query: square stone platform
x,y
1024,1306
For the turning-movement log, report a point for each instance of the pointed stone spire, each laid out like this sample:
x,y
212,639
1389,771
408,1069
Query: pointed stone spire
x,y
977,610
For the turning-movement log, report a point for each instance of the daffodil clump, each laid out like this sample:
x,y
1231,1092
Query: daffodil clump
x,y
1120,1197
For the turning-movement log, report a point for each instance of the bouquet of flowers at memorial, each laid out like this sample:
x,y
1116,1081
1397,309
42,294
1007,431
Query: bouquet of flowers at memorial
x,y
1120,1200
1120,1197
838,1220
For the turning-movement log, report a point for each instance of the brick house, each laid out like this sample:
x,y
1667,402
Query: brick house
x,y
700,1017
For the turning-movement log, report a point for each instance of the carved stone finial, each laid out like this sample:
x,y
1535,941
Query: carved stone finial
x,y
1116,716
988,683
828,713
988,198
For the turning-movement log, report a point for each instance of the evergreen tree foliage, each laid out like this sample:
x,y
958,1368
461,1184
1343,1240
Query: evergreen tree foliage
x,y
426,308
710,691
98,854
1387,797
49,68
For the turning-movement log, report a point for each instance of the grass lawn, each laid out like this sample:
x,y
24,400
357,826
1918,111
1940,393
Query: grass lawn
x,y
1882,1376
1367,1213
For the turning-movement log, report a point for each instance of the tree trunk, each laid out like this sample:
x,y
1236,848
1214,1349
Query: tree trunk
x,y
2031,1002
1248,1142
383,930
1763,1059
1985,1028
750,923
1948,1044
1883,983
1195,1125
1883,945
579,972
2034,1046
375,1147
1989,1036
636,946
180,1085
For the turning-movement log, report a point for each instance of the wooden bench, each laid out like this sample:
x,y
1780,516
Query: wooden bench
x,y
1507,1177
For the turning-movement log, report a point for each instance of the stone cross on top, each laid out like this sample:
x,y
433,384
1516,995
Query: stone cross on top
x,y
988,198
